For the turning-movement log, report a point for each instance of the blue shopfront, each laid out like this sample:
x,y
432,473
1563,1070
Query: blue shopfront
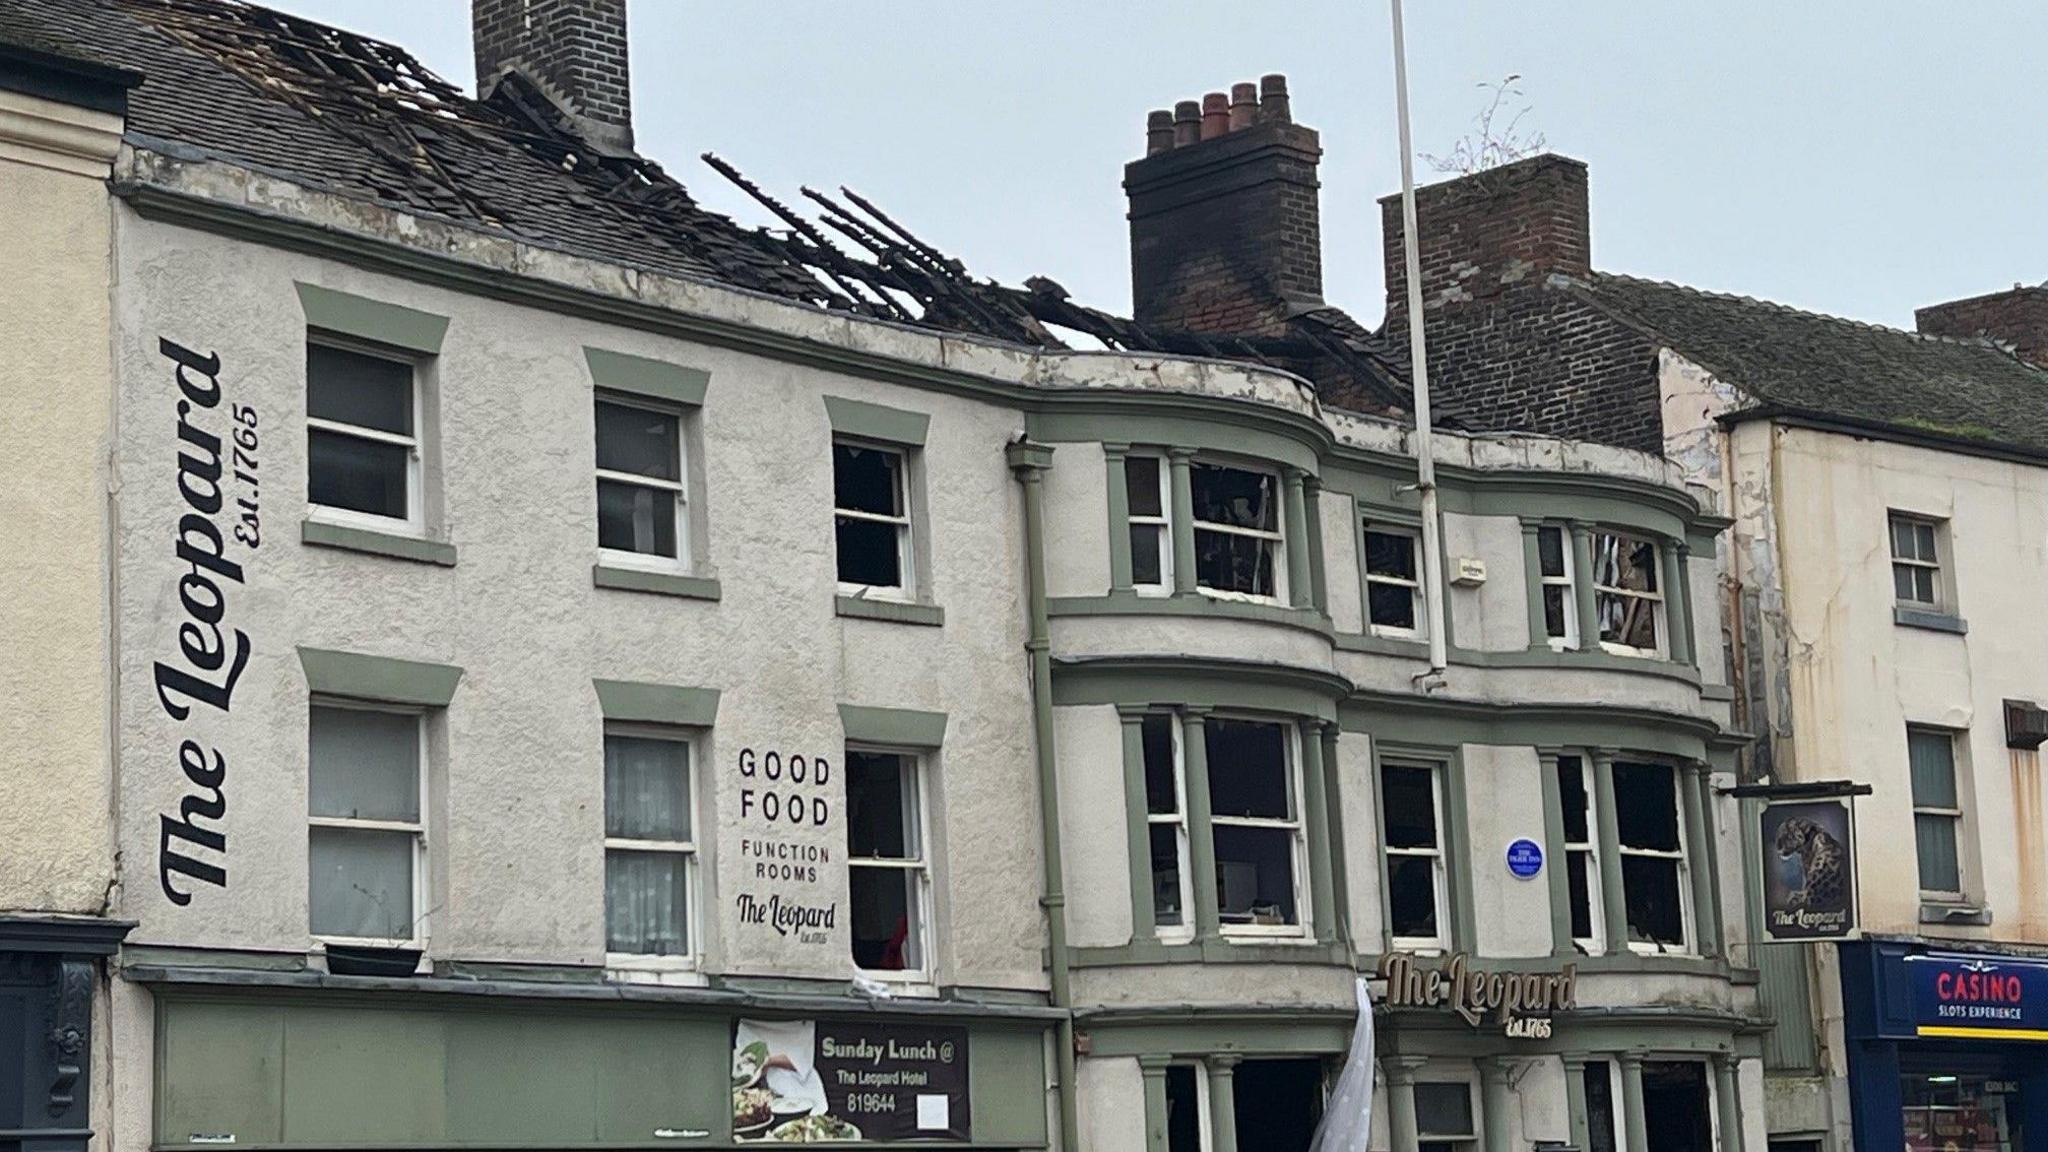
x,y
1948,1047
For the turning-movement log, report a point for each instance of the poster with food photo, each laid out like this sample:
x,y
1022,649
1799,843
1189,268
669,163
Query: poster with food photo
x,y
826,1082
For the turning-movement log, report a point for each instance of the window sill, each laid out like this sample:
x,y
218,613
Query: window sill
x,y
1954,913
1932,621
323,534
892,611
656,583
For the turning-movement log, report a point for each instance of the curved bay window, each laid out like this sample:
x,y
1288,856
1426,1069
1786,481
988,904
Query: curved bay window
x,y
1237,531
1255,815
1628,594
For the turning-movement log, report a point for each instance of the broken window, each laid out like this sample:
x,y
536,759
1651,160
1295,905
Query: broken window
x,y
1652,853
640,495
1581,865
365,841
1443,1117
1145,480
1916,565
1187,1108
1599,1076
1277,1103
1410,805
1393,588
1677,1106
1237,530
1256,825
871,511
1560,600
1937,810
1627,594
650,849
1166,824
888,875
362,440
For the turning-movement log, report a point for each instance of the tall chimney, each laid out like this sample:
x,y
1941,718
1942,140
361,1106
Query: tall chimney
x,y
1225,233
2018,317
574,51
1487,235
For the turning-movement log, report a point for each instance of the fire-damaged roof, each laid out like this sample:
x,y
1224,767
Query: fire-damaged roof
x,y
346,114
1808,364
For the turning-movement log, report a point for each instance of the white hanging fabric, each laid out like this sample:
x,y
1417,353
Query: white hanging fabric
x,y
1347,1121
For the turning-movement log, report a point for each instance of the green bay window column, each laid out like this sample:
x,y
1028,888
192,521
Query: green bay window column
x,y
1677,612
1119,516
1300,581
1143,925
1312,511
1222,1069
1684,592
1532,569
1401,1127
1575,1099
1333,804
1726,1089
1201,834
1582,586
1556,860
1153,1068
1180,464
1632,1102
1613,901
1494,1103
1698,860
1315,798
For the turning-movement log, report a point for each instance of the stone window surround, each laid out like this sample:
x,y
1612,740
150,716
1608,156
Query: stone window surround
x,y
1300,522
1315,770
1694,790
1674,578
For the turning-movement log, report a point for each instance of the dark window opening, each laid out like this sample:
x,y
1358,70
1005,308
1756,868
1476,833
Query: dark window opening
x,y
635,441
1555,576
361,442
1578,846
1183,1108
1256,823
1278,1103
1150,538
1392,588
1626,590
885,861
1652,858
1676,1110
872,518
1237,529
1164,819
1599,1107
1443,1117
1414,852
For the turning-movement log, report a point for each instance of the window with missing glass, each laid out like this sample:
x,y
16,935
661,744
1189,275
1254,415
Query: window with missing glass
x,y
1937,811
1916,562
889,875
1151,527
1187,1108
1443,1117
1600,1110
362,434
1647,815
1237,530
1628,593
1560,598
1411,825
1581,859
1393,581
871,516
1255,821
650,843
1166,825
641,497
366,834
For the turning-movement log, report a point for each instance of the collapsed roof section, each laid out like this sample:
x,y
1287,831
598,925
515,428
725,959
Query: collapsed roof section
x,y
345,113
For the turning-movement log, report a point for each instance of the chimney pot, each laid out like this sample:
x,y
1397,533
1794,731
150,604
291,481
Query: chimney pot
x,y
1244,106
1215,115
1273,107
1158,132
1187,123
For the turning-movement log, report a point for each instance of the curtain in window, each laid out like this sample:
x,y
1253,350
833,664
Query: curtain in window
x,y
645,909
645,797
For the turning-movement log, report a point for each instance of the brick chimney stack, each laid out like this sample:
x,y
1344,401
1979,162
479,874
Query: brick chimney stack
x,y
1486,235
1225,232
2018,317
572,50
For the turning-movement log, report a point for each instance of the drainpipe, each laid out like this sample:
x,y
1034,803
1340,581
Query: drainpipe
x,y
1029,463
1418,356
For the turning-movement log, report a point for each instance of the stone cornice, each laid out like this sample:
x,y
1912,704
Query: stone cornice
x,y
61,137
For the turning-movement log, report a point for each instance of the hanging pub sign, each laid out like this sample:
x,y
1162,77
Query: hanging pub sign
x,y
1520,1003
829,1081
1809,870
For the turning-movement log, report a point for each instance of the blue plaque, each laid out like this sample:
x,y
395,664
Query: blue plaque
x,y
1525,859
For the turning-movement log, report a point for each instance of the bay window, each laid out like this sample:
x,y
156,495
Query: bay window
x,y
1147,486
1238,542
1653,855
1166,826
1560,600
366,834
1255,818
1628,594
1581,861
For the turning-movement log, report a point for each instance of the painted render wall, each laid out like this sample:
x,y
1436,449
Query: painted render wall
x,y
516,828
56,798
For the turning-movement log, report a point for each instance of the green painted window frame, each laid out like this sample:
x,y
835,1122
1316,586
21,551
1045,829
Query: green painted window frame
x,y
1461,934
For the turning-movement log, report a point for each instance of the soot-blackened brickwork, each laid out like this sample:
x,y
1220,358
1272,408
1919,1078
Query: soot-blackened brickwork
x,y
574,49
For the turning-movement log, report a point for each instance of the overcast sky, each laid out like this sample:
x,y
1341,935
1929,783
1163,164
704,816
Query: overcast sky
x,y
1859,157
